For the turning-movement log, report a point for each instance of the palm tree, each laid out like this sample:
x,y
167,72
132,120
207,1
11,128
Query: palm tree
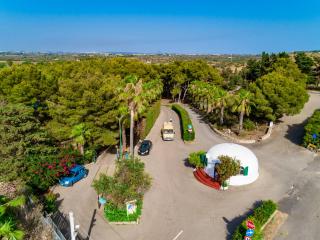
x,y
243,105
132,93
8,228
80,134
221,99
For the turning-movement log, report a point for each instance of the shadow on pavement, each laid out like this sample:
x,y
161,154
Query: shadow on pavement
x,y
295,132
235,222
186,163
93,220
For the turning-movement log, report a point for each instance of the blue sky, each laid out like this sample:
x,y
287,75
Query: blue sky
x,y
234,26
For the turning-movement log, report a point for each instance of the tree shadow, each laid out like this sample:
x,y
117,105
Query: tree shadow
x,y
235,222
186,163
295,132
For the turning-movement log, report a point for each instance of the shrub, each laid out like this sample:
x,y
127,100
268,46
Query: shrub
x,y
116,214
128,183
249,125
49,202
227,168
312,127
46,170
194,159
259,217
150,117
185,121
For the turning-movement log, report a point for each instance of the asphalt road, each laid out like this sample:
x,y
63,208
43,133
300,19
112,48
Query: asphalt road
x,y
178,207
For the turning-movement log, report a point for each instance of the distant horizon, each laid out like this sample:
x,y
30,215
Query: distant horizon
x,y
175,27
150,53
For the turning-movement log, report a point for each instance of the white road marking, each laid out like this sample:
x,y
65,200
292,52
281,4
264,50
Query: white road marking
x,y
176,237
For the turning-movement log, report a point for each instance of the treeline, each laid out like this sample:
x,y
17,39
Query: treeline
x,y
265,90
47,107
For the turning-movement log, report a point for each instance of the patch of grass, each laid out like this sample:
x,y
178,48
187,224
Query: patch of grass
x,y
115,214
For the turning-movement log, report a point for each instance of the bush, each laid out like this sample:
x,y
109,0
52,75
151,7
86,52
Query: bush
x,y
259,217
128,183
150,117
185,121
227,168
194,159
49,203
249,125
116,214
312,127
46,170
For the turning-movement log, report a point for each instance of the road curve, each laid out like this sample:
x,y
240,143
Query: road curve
x,y
179,206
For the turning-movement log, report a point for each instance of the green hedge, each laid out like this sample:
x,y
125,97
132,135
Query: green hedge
x,y
150,117
114,214
259,217
185,121
312,127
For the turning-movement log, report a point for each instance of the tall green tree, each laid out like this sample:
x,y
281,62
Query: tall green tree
x,y
242,105
279,93
80,134
221,102
20,135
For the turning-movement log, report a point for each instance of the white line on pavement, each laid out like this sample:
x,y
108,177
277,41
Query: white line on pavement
x,y
176,237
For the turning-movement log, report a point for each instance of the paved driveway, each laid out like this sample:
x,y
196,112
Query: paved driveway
x,y
178,205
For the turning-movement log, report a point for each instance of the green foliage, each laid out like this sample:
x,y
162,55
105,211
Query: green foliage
x,y
178,75
227,168
305,64
128,183
312,127
20,135
116,214
194,159
259,217
185,121
45,171
276,95
151,116
249,125
8,220
50,202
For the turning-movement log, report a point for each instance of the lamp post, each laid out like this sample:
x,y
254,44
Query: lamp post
x,y
120,137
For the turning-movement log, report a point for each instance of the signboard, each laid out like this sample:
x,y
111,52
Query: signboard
x,y
250,224
249,232
247,238
131,207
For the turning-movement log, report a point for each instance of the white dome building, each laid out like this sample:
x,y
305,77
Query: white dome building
x,y
248,162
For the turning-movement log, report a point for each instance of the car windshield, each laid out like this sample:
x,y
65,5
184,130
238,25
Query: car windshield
x,y
144,146
72,174
168,131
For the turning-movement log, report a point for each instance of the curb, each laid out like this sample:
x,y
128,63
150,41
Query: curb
x,y
243,141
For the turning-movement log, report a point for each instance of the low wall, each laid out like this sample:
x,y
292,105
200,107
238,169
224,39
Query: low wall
x,y
244,141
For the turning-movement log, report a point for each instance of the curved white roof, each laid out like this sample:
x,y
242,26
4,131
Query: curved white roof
x,y
246,157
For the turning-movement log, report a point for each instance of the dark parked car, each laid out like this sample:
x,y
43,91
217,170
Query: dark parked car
x,y
145,147
76,173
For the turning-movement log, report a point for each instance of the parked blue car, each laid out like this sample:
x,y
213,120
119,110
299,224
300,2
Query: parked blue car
x,y
76,173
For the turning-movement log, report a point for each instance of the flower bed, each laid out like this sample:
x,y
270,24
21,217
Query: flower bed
x,y
259,217
114,214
